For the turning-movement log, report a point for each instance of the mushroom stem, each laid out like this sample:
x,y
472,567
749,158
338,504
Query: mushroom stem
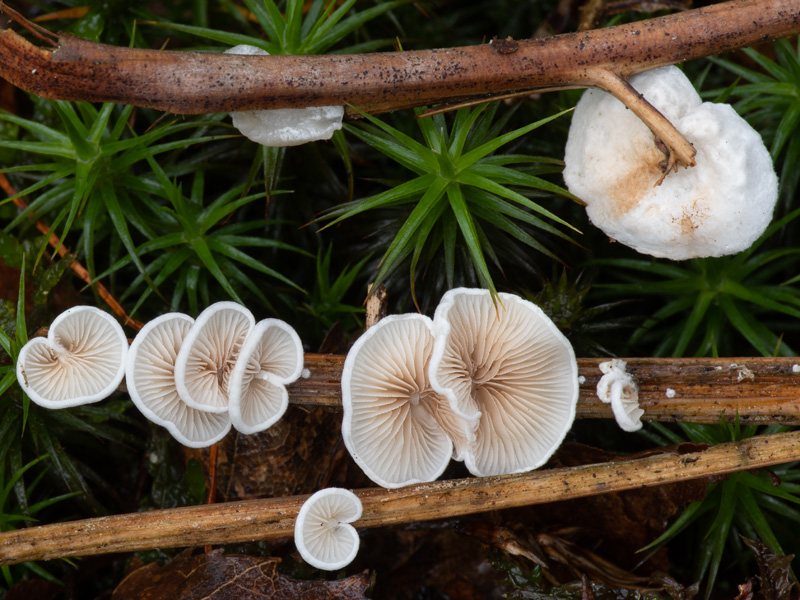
x,y
679,151
274,518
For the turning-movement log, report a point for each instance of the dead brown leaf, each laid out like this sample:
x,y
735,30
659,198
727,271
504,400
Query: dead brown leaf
x,y
775,573
216,576
294,456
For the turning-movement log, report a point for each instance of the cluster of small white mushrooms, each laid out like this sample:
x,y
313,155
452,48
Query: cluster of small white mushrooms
x,y
614,163
285,126
196,378
617,387
494,384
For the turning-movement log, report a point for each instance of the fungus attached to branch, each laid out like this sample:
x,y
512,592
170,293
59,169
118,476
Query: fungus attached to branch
x,y
82,359
150,378
509,372
617,387
208,354
622,173
395,426
270,359
285,126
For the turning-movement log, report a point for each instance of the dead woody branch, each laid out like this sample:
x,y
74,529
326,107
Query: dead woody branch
x,y
763,391
273,518
193,83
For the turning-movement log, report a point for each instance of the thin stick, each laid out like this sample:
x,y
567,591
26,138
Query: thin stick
x,y
193,82
254,520
76,266
764,391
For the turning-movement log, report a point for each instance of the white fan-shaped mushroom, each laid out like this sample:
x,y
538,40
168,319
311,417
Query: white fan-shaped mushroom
x,y
612,162
150,377
322,532
82,360
395,427
285,126
618,388
208,354
510,373
270,359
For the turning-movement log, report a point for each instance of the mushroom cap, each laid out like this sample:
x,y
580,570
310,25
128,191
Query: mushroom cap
x,y
208,354
82,360
285,126
510,373
270,359
395,427
150,377
720,206
322,532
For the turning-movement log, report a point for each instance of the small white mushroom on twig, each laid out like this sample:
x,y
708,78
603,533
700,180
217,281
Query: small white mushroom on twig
x,y
510,373
395,426
208,353
617,387
150,377
285,126
615,165
270,359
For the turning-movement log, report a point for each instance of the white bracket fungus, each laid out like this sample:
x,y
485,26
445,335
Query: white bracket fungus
x,y
150,378
82,360
285,126
617,387
270,359
397,429
510,373
614,163
322,532
208,354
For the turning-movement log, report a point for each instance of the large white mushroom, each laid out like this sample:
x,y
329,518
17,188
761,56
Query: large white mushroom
x,y
285,126
509,372
270,359
208,354
614,164
82,360
150,378
395,426
322,532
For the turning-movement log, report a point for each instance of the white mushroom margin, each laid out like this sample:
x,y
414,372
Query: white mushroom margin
x,y
510,373
270,359
285,126
82,359
322,532
150,378
397,429
612,162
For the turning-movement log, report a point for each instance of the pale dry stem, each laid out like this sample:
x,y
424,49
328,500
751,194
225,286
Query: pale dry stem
x,y
76,266
678,150
253,520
